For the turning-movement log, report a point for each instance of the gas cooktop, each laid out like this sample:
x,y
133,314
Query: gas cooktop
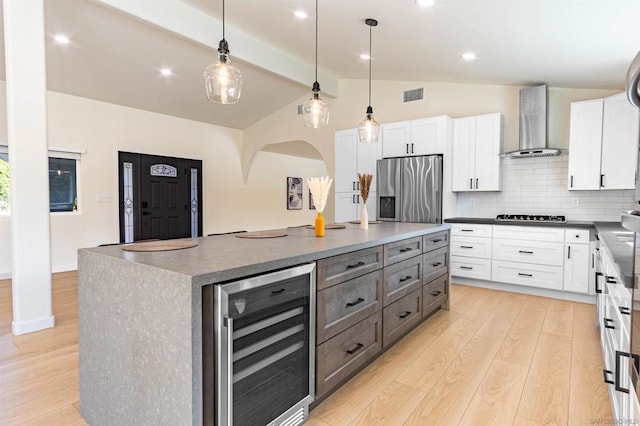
x,y
531,218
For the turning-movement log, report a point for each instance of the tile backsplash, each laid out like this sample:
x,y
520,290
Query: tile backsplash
x,y
539,186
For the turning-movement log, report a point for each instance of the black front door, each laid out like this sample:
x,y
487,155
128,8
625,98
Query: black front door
x,y
164,200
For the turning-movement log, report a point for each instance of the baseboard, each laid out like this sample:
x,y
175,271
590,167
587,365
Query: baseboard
x,y
533,291
64,268
5,275
31,326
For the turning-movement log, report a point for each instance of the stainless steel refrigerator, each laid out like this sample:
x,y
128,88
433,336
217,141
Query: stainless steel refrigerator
x,y
410,189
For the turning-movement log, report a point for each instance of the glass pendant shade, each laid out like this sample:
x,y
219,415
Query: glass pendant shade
x,y
223,81
369,129
315,112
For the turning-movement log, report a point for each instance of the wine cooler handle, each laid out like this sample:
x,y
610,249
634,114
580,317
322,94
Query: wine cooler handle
x,y
229,327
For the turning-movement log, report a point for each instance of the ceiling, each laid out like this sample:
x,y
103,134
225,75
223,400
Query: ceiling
x,y
116,58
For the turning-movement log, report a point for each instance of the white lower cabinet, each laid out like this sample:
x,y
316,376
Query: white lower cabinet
x,y
576,267
470,267
529,274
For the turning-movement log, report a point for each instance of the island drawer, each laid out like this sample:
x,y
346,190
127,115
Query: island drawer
x,y
341,356
343,305
401,279
400,317
435,264
434,241
401,250
337,269
434,294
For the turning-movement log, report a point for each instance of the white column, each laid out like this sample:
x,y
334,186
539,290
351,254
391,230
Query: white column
x,y
24,43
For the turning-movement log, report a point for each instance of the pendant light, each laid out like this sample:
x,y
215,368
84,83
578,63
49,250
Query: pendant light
x,y
222,80
315,111
369,129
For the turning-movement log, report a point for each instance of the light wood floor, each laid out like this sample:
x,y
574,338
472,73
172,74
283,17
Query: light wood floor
x,y
496,358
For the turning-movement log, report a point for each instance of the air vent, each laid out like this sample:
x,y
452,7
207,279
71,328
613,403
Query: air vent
x,y
299,109
413,95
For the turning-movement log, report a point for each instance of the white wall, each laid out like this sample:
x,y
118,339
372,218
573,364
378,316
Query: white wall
x,y
103,129
539,186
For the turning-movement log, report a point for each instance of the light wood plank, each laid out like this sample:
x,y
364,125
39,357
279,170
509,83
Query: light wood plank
x,y
68,416
392,407
501,317
545,398
447,401
520,343
559,319
497,398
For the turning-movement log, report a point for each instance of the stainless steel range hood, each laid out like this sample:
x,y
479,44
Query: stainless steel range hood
x,y
533,125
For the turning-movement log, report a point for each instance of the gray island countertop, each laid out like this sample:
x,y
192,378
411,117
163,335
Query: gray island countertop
x,y
226,257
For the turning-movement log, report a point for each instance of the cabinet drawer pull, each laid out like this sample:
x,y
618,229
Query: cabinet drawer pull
x,y
404,250
525,252
436,264
611,280
604,374
466,247
466,267
466,230
405,314
355,265
436,293
436,241
616,375
522,274
356,349
624,310
607,324
278,291
407,278
355,302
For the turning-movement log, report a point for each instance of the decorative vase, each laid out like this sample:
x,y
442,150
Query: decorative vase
x,y
364,217
319,225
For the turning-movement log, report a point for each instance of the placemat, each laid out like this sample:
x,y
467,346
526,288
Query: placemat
x,y
263,234
162,245
371,222
329,226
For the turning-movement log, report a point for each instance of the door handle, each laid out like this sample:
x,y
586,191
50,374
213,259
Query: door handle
x,y
477,183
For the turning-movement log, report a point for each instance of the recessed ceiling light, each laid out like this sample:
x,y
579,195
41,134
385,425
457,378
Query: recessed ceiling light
x,y
469,56
301,14
425,3
61,39
166,71
365,56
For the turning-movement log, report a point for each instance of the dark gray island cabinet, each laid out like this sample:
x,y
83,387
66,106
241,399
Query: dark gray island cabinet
x,y
147,345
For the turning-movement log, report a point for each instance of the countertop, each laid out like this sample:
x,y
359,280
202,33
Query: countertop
x,y
226,257
493,221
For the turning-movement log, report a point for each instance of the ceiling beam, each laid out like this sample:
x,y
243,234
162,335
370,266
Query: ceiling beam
x,y
193,24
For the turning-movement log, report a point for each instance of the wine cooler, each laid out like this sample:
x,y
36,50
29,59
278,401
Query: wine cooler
x,y
265,348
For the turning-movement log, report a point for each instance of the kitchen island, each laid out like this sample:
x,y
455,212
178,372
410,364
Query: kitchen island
x,y
140,314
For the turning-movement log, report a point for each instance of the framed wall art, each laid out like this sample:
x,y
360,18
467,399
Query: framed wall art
x,y
294,193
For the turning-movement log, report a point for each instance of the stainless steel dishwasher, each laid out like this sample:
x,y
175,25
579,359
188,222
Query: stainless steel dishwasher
x,y
265,348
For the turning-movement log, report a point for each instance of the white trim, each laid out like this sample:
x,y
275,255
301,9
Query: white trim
x,y
534,291
55,152
5,275
31,326
64,268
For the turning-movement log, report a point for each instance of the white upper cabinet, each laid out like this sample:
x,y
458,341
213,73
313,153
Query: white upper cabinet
x,y
425,136
619,143
476,153
351,158
603,144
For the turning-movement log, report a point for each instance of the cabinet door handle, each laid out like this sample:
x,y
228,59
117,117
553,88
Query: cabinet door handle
x,y
606,379
436,264
278,291
358,198
412,149
407,278
616,375
608,324
568,252
356,349
598,290
571,184
406,249
354,199
624,310
477,183
436,293
358,186
355,302
522,274
353,186
404,314
471,183
466,247
601,181
525,251
466,267
407,146
355,265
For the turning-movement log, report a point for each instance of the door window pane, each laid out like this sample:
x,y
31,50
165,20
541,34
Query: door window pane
x,y
4,182
62,185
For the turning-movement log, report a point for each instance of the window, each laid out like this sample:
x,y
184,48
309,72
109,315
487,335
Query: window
x,y
62,185
63,181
